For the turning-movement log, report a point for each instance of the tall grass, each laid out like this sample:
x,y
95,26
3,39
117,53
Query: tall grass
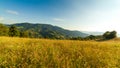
x,y
43,53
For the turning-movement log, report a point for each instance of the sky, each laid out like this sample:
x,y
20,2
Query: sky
x,y
82,15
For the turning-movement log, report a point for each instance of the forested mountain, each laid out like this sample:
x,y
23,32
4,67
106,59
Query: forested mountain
x,y
47,31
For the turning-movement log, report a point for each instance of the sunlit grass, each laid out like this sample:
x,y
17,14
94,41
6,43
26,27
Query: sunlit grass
x,y
43,53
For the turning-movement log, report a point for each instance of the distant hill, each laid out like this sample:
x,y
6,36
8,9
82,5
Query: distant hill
x,y
47,30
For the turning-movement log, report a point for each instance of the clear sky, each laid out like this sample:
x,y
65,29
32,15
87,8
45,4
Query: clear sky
x,y
83,15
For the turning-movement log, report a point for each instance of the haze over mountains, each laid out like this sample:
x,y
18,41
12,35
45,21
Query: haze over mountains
x,y
93,32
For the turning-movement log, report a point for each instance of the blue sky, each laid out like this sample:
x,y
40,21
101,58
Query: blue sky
x,y
83,15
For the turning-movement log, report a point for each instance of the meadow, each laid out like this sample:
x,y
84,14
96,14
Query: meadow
x,y
44,53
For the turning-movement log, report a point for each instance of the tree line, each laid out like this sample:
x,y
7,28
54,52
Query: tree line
x,y
106,36
13,31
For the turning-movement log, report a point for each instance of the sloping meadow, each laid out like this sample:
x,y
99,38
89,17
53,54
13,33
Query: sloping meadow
x,y
44,53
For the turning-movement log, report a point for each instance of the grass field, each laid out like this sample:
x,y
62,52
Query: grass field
x,y
43,53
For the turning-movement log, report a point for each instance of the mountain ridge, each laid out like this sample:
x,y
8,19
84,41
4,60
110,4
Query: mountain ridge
x,y
48,30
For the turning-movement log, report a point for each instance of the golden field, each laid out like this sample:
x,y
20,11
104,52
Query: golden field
x,y
45,53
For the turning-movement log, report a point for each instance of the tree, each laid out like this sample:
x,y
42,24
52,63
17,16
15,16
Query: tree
x,y
76,38
3,30
113,34
106,35
13,31
24,34
110,35
91,37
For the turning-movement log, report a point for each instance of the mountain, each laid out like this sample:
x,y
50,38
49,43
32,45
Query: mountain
x,y
48,31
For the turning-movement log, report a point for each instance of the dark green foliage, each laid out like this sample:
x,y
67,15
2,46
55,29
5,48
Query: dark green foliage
x,y
106,35
33,34
13,31
24,34
3,30
76,38
113,34
110,35
90,37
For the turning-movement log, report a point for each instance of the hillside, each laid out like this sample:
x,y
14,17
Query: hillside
x,y
48,31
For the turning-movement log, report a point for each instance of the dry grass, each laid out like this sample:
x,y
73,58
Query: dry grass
x,y
43,53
